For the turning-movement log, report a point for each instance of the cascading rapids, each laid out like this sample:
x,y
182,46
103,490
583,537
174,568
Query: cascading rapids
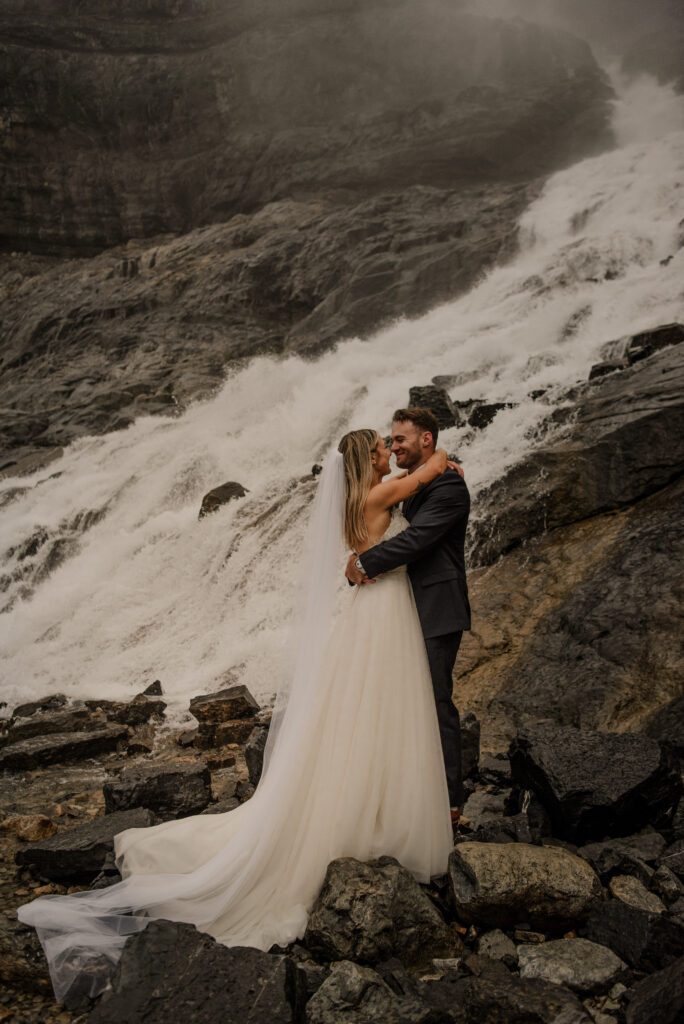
x,y
146,591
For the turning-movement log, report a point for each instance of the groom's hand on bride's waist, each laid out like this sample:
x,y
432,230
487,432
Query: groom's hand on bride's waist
x,y
355,575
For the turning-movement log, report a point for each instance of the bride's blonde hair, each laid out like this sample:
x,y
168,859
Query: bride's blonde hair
x,y
357,449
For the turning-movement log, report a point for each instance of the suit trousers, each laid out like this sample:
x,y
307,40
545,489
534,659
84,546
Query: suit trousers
x,y
441,652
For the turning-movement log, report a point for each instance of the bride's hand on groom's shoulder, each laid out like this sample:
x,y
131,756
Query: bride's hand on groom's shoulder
x,y
454,465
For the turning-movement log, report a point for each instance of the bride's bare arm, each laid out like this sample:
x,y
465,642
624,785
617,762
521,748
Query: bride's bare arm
x,y
399,488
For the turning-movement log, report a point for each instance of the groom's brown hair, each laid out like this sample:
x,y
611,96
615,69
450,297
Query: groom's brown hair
x,y
421,418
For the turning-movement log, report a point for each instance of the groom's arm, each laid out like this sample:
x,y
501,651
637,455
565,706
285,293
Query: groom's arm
x,y
446,503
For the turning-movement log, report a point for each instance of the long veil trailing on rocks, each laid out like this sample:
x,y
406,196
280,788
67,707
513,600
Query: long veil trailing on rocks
x,y
236,862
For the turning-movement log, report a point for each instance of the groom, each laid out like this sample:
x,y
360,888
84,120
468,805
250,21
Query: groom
x,y
433,549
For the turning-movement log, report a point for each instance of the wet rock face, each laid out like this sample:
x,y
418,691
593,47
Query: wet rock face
x,y
194,89
370,912
170,791
82,852
626,442
171,965
596,784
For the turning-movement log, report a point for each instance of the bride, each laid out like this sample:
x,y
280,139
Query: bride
x,y
353,765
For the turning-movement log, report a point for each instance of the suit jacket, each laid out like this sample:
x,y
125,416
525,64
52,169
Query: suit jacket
x,y
433,549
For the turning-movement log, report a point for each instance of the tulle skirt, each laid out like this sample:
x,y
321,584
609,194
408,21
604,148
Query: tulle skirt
x,y
365,779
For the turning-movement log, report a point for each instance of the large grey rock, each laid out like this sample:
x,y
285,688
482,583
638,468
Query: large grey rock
x,y
497,946
61,747
372,911
647,942
501,884
169,790
583,966
358,995
438,402
658,998
172,973
595,785
82,852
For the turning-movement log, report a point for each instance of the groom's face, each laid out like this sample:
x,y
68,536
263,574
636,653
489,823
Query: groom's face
x,y
410,445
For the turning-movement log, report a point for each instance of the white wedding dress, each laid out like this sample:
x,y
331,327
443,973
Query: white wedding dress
x,y
366,779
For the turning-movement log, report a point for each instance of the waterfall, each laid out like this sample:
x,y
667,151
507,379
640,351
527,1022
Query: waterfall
x,y
110,581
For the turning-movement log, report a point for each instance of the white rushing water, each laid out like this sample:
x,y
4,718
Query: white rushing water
x,y
149,592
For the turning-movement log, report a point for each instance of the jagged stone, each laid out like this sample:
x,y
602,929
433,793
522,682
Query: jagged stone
x,y
437,400
658,998
49,703
470,744
596,784
673,858
631,855
171,971
220,734
234,702
667,725
632,892
61,747
134,712
77,718
646,343
607,366
497,946
584,966
153,690
666,884
645,941
170,790
373,911
82,852
501,884
356,993
502,998
254,753
483,413
219,496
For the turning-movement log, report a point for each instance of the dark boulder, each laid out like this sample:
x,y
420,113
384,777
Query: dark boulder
x,y
470,744
80,853
608,366
49,703
218,734
673,857
356,993
254,753
633,855
171,972
153,690
658,998
77,718
647,342
502,998
596,784
219,496
438,402
224,705
170,790
133,712
644,940
61,747
484,412
667,725
376,910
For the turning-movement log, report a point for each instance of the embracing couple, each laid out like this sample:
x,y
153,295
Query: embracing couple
x,y
360,737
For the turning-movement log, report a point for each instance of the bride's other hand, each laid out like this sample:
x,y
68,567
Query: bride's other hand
x,y
353,574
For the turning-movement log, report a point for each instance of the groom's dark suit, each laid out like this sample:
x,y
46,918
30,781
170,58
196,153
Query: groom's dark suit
x,y
433,549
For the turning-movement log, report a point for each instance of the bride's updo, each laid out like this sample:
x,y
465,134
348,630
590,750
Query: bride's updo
x,y
357,449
